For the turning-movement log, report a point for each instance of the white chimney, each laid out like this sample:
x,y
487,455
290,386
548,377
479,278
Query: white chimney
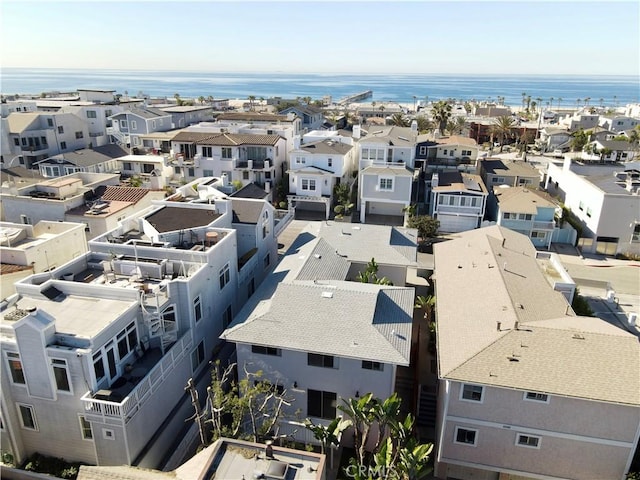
x,y
266,164
296,142
414,127
434,180
356,131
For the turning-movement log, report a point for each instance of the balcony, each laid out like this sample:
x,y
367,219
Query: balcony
x,y
265,164
123,402
544,225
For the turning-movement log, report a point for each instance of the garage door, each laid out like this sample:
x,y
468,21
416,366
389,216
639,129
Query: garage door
x,y
454,223
382,208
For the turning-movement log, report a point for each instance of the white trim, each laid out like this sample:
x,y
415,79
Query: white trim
x,y
475,438
447,391
535,400
544,433
33,416
536,446
66,368
8,362
80,417
108,434
482,393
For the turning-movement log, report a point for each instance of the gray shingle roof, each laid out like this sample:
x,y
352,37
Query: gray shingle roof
x,y
324,264
373,321
520,200
93,156
250,190
495,272
169,219
246,210
391,171
329,147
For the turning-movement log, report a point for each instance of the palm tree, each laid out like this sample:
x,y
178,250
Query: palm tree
x,y
441,112
601,100
252,99
427,304
503,126
329,435
524,99
578,100
586,101
559,100
456,126
359,410
551,102
201,100
399,120
424,124
178,99
534,105
210,99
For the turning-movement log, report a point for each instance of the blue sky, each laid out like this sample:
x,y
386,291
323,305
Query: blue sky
x,y
326,37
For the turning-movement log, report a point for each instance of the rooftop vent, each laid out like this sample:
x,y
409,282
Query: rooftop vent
x,y
578,336
327,294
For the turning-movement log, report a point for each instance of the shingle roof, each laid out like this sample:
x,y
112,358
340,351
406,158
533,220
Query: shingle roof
x,y
495,270
256,117
324,264
330,147
498,166
520,200
390,135
169,219
148,112
391,171
458,181
20,121
616,145
234,139
7,268
246,210
87,157
191,137
250,190
373,321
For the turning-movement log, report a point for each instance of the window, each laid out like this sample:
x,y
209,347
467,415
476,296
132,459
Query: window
x,y
540,235
197,309
63,145
207,152
15,366
85,428
147,167
471,393
264,231
197,356
91,114
589,212
423,150
127,340
259,349
386,184
108,113
321,404
465,436
123,124
451,153
134,125
444,152
50,122
98,366
61,374
27,417
507,215
536,397
226,152
136,140
16,142
466,153
127,166
224,276
330,162
529,441
108,434
317,360
524,216
581,206
267,261
227,317
308,184
153,124
636,233
79,135
207,173
44,141
60,129
369,365
245,175
26,220
191,171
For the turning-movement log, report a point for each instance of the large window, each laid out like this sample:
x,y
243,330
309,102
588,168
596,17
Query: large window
x,y
536,397
207,152
224,276
15,367
79,135
472,393
321,404
256,153
636,233
308,184
27,417
373,154
386,184
127,340
91,114
226,152
261,350
465,436
317,360
98,366
61,374
530,441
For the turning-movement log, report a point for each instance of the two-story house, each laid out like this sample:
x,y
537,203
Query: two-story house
x,y
316,167
35,136
526,211
316,330
185,115
96,353
130,125
457,200
385,171
605,200
312,117
618,123
524,383
92,160
552,138
498,171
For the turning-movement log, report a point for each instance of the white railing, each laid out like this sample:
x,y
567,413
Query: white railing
x,y
127,408
283,218
544,225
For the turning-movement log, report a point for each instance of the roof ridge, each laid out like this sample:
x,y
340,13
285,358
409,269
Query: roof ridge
x,y
472,357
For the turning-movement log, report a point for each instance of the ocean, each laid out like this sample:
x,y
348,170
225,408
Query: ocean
x,y
565,90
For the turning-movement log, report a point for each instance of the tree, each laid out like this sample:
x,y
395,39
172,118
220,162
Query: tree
x,y
201,100
424,124
178,99
399,120
502,127
579,139
427,304
252,99
328,435
427,226
456,126
441,112
370,275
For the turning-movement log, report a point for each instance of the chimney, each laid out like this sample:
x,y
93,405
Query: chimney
x,y
499,325
434,180
516,326
296,142
503,241
356,131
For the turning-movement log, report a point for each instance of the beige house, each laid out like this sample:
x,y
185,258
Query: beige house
x,y
527,389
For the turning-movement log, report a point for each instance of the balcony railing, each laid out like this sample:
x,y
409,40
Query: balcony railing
x,y
544,225
124,410
265,164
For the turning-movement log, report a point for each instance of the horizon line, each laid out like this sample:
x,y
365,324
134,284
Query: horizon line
x,y
284,72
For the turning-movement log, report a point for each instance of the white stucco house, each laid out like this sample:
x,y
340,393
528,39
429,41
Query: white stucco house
x,y
97,352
